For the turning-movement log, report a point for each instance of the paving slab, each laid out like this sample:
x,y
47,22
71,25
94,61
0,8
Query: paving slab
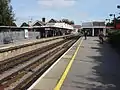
x,y
45,84
96,67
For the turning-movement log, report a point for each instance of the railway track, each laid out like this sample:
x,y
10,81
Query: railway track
x,y
11,62
33,65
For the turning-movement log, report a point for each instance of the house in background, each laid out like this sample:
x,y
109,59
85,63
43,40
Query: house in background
x,y
24,24
38,23
53,21
59,27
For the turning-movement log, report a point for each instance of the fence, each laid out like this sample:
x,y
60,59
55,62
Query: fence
x,y
16,36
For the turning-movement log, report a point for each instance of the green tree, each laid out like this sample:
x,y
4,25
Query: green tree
x,y
68,21
6,13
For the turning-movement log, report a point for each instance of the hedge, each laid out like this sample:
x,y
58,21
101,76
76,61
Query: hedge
x,y
114,38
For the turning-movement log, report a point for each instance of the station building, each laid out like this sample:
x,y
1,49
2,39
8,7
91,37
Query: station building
x,y
94,28
38,29
53,28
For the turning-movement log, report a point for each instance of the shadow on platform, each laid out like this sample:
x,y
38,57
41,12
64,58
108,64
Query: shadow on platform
x,y
107,69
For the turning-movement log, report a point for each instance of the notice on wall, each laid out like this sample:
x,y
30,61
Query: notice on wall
x,y
26,33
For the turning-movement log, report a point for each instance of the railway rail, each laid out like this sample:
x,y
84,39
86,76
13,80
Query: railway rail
x,y
9,63
26,69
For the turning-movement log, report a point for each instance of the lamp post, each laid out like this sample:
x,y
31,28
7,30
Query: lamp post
x,y
114,20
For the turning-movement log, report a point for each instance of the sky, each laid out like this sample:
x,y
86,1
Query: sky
x,y
77,10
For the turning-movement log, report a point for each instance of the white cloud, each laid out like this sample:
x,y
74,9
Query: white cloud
x,y
56,3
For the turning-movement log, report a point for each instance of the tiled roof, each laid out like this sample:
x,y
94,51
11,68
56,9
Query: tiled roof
x,y
53,21
39,23
24,25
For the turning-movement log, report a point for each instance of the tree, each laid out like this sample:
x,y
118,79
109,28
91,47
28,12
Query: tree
x,y
14,24
110,24
71,22
68,21
6,13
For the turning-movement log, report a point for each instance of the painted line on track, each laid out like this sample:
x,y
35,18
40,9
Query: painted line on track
x,y
38,80
61,81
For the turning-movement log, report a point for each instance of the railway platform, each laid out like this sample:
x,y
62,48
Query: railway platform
x,y
24,42
87,65
17,48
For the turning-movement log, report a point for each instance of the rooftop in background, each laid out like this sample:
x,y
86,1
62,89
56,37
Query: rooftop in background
x,y
94,24
51,23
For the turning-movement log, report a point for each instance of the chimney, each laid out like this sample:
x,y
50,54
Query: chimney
x,y
43,20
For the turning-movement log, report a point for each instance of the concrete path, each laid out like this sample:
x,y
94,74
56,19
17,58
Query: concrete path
x,y
96,67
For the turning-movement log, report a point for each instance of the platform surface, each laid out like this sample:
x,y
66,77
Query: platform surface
x,y
95,67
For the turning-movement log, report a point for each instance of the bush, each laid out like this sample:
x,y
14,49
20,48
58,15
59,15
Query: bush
x,y
114,38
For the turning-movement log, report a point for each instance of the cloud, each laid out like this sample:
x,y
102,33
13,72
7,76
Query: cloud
x,y
56,3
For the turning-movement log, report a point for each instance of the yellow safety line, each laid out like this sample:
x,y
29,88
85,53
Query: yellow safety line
x,y
58,86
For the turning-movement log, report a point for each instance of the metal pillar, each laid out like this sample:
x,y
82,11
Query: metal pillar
x,y
104,31
63,32
53,32
93,31
46,34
